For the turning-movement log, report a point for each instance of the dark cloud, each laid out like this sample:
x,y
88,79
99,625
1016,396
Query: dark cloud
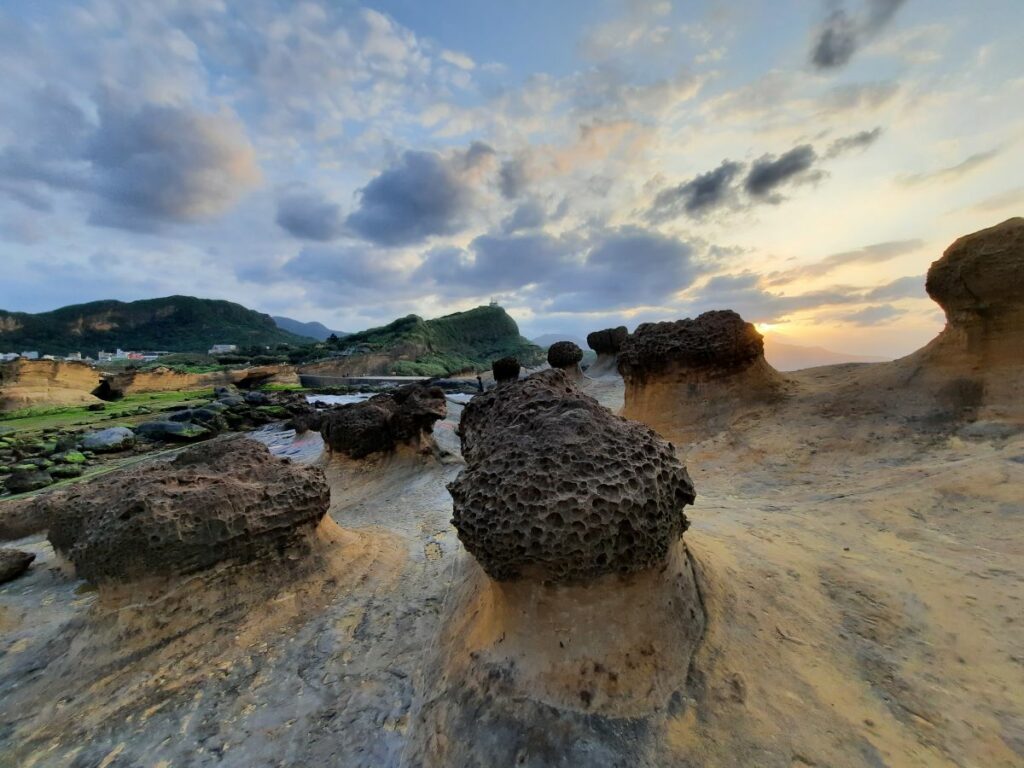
x,y
874,315
478,154
529,214
859,97
420,196
626,268
869,254
513,178
142,166
495,263
861,140
348,271
698,195
162,164
842,33
953,172
309,215
768,172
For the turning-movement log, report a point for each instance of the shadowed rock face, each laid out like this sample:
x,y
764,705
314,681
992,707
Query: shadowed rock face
x,y
981,276
557,488
715,340
384,421
13,563
227,499
506,369
609,341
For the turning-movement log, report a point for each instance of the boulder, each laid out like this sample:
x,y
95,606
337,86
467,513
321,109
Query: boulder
x,y
558,488
380,424
566,356
110,439
13,563
226,500
25,480
172,431
690,379
505,369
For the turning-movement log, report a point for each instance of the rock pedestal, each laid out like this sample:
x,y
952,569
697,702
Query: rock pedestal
x,y
380,424
606,344
566,357
689,379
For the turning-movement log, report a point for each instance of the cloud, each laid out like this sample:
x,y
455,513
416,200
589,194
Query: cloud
x,y
418,197
768,172
143,167
861,140
953,172
529,214
697,196
874,315
513,178
842,34
309,215
869,254
1008,199
910,287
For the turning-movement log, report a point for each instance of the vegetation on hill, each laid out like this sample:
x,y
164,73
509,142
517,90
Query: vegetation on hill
x,y
174,324
463,341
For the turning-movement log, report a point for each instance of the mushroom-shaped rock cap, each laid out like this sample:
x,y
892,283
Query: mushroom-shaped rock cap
x,y
227,499
609,341
981,275
715,340
558,488
506,369
385,420
564,354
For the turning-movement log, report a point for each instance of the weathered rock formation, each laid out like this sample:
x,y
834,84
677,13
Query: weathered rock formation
x,y
225,500
405,416
161,379
606,344
505,369
27,383
13,563
566,356
979,283
691,378
584,607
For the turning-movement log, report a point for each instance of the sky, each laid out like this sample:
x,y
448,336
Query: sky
x,y
584,163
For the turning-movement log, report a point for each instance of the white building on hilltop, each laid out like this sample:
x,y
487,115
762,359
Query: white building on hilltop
x,y
223,349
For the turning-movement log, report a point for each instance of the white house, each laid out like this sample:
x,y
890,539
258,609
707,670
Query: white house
x,y
223,349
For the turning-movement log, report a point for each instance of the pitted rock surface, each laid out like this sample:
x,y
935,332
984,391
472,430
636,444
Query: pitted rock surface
x,y
609,341
558,488
715,340
227,499
981,275
564,354
506,369
379,424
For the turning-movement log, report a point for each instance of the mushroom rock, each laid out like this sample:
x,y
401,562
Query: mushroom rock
x,y
226,500
974,369
581,603
505,369
405,416
606,344
692,378
566,356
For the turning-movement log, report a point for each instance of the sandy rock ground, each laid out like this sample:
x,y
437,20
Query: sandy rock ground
x,y
863,579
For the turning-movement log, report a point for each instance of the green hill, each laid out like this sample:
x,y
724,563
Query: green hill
x,y
463,341
174,323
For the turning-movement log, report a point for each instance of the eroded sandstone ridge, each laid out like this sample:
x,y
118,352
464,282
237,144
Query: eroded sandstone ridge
x,y
690,378
27,383
607,344
566,356
227,499
558,487
405,416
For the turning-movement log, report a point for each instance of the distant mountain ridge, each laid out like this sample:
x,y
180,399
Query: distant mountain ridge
x,y
312,330
172,323
784,356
